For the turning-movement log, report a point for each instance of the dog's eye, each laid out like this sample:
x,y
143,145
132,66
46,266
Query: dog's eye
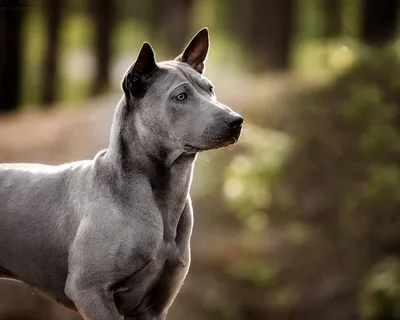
x,y
181,97
211,89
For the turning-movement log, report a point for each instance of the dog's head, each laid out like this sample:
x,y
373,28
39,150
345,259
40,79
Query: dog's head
x,y
174,106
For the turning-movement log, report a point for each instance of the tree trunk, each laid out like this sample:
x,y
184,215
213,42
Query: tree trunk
x,y
332,18
271,33
265,29
155,18
237,16
170,22
10,55
379,21
103,17
50,67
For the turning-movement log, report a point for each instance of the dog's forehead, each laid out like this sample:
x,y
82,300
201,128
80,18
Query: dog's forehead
x,y
181,71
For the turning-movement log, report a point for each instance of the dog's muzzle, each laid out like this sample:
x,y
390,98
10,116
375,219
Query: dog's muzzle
x,y
234,121
219,136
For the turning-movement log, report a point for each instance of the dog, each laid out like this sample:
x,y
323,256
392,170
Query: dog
x,y
110,237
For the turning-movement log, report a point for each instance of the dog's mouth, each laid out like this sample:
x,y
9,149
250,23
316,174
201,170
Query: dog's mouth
x,y
193,149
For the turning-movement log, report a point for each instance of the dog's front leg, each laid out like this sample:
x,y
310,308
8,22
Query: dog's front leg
x,y
92,303
90,274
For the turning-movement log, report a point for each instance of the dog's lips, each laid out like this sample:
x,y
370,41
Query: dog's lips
x,y
193,149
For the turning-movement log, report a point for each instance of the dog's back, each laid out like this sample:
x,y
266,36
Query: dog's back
x,y
26,192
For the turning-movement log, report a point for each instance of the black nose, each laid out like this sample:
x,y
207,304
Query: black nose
x,y
233,121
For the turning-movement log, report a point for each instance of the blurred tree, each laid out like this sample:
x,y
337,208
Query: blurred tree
x,y
76,6
379,21
265,28
10,55
50,67
170,22
102,13
332,20
131,10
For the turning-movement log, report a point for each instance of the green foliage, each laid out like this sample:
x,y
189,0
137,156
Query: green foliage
x,y
376,139
215,299
77,31
298,233
315,58
374,107
252,174
381,295
373,111
258,273
334,196
382,185
362,103
127,36
32,52
76,65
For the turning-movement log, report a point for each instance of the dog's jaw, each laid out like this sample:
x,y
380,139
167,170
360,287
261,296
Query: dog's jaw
x,y
213,142
191,149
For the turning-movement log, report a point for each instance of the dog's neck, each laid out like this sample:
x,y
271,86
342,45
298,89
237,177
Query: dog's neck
x,y
133,151
167,175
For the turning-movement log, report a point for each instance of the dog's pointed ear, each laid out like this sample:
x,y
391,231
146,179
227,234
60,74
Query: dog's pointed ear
x,y
196,51
144,65
145,62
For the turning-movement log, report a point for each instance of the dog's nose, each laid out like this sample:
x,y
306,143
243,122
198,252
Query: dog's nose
x,y
233,121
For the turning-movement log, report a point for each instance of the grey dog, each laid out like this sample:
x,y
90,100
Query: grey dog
x,y
110,237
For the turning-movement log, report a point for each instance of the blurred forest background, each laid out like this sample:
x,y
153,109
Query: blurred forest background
x,y
300,220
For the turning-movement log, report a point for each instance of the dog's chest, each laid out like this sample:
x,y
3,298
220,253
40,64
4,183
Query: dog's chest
x,y
161,278
153,289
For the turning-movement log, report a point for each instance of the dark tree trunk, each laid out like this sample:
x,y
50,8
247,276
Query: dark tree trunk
x,y
103,17
265,29
379,21
10,55
332,18
155,18
170,22
237,16
50,66
270,38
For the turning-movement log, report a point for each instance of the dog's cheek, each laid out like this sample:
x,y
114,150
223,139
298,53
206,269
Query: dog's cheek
x,y
175,115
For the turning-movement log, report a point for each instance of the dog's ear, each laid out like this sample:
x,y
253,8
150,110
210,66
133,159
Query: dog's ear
x,y
143,66
196,51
